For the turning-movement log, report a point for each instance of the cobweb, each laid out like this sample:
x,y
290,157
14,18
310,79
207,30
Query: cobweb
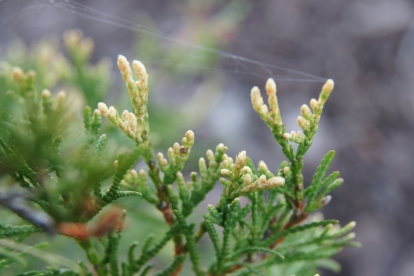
x,y
35,9
116,27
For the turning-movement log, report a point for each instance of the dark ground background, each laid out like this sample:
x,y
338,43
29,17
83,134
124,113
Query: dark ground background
x,y
366,46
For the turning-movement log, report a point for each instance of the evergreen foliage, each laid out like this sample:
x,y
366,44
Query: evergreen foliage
x,y
68,182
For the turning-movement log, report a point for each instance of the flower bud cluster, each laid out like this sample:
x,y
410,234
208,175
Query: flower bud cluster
x,y
317,105
134,125
265,181
216,162
235,173
263,184
127,122
138,90
270,115
194,191
294,137
243,181
308,121
177,154
220,156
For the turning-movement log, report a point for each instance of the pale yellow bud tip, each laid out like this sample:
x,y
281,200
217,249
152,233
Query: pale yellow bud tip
x,y
124,114
263,166
225,172
112,111
287,136
61,98
221,147
103,108
17,74
263,110
255,90
138,66
134,173
302,122
246,170
190,135
61,95
131,117
46,93
257,100
276,181
247,179
210,154
305,111
270,87
328,86
122,63
314,104
241,159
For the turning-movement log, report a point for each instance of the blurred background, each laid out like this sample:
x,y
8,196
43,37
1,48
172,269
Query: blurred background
x,y
203,57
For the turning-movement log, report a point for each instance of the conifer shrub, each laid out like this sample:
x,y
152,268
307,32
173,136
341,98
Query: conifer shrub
x,y
63,181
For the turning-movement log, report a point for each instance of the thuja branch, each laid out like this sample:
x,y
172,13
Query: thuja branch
x,y
273,230
136,126
308,121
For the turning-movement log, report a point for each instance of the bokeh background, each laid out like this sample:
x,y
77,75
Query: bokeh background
x,y
366,46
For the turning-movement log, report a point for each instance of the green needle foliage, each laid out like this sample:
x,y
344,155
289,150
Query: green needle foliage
x,y
58,179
